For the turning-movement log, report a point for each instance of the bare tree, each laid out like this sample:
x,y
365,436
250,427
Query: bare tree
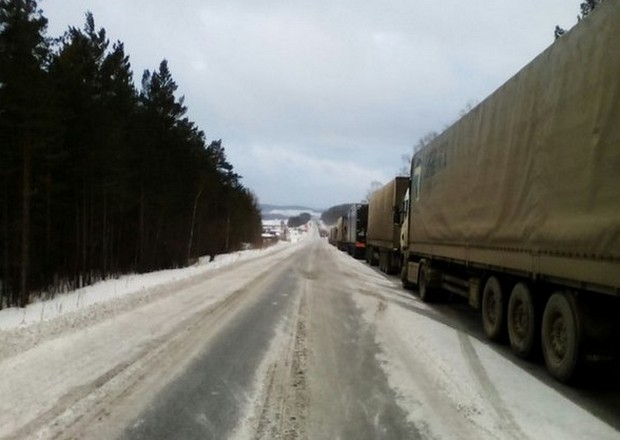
x,y
406,165
374,186
587,7
468,107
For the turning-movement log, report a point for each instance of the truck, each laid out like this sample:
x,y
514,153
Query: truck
x,y
383,236
516,206
333,235
341,233
355,230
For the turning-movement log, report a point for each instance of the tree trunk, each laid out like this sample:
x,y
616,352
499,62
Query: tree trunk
x,y
104,237
25,244
76,260
48,228
84,234
228,227
141,234
191,229
4,294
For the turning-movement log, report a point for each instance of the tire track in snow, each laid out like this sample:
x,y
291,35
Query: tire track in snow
x,y
509,426
283,413
280,410
91,402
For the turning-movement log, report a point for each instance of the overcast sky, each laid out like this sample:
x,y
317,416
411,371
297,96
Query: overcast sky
x,y
315,99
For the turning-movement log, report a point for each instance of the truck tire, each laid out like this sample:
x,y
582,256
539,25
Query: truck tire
x,y
389,263
403,276
385,261
428,292
561,336
396,263
493,310
373,260
522,321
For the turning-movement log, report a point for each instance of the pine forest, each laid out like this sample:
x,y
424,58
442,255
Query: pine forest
x,y
100,177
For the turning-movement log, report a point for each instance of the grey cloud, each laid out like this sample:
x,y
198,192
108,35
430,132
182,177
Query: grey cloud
x,y
306,93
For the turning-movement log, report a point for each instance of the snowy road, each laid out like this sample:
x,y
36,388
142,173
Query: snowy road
x,y
299,343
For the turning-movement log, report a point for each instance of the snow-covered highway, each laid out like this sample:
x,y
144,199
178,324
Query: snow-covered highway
x,y
301,342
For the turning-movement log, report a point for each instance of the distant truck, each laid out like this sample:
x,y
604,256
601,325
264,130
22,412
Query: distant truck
x,y
341,233
516,206
383,236
356,225
333,235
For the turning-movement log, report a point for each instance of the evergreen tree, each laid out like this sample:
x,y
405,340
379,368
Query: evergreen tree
x,y
25,128
98,100
97,179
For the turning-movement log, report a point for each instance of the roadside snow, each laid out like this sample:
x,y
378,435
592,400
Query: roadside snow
x,y
114,289
61,373
455,386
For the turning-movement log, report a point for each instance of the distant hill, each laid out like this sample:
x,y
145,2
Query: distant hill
x,y
299,220
330,216
284,212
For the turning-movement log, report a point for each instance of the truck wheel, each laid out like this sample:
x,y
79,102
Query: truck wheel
x,y
396,261
370,256
389,263
493,310
403,276
521,321
428,292
560,336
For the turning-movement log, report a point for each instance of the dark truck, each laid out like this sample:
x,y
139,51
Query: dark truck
x,y
516,206
355,230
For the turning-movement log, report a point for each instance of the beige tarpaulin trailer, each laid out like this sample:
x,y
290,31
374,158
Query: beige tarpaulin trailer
x,y
529,180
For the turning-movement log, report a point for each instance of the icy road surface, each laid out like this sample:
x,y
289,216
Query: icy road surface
x,y
301,342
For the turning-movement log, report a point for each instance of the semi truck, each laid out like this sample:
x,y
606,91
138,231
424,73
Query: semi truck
x,y
333,235
356,225
341,233
516,206
383,236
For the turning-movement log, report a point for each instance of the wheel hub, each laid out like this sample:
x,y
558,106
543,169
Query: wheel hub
x,y
520,319
492,309
559,337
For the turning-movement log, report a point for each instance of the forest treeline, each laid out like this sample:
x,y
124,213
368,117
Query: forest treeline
x,y
97,176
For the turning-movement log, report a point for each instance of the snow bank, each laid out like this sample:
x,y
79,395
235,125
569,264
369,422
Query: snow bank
x,y
455,386
114,289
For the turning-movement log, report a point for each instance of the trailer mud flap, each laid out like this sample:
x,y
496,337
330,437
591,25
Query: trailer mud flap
x,y
475,299
412,272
